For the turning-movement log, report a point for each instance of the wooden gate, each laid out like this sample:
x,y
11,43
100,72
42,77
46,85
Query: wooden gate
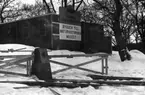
x,y
26,61
99,57
8,61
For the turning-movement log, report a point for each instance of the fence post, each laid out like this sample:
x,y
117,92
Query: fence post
x,y
106,65
102,66
41,64
28,67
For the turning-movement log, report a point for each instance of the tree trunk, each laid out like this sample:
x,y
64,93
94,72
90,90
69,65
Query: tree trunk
x,y
143,39
65,3
73,4
143,30
121,44
2,19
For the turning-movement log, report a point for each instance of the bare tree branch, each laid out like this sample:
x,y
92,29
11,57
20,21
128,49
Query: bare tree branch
x,y
7,8
48,8
103,7
79,5
52,6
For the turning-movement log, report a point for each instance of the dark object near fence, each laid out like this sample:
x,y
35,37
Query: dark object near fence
x,y
41,65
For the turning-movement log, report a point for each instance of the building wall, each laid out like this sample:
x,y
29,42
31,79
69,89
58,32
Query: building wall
x,y
44,31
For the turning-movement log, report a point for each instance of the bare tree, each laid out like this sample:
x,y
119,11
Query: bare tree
x,y
33,10
112,11
136,11
9,10
49,6
122,48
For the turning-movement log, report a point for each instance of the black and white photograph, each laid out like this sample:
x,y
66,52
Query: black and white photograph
x,y
72,47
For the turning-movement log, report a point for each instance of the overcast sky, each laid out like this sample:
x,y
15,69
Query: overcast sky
x,y
28,1
33,1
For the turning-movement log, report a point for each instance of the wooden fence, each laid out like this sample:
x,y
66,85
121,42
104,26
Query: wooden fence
x,y
99,57
18,59
15,60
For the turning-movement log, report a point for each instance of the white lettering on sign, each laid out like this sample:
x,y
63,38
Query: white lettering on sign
x,y
70,32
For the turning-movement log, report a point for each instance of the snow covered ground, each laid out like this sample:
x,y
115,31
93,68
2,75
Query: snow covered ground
x,y
135,68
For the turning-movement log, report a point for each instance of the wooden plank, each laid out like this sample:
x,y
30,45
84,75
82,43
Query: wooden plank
x,y
105,77
7,61
102,82
106,65
14,56
76,83
22,65
12,73
52,83
11,50
29,67
54,92
102,66
80,55
25,51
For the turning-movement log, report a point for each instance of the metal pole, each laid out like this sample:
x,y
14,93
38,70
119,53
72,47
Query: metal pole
x,y
106,63
28,67
102,66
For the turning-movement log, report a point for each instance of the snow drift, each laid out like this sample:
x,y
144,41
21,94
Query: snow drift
x,y
135,68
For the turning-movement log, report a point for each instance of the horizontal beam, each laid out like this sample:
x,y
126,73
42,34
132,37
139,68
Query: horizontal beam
x,y
80,55
58,56
12,73
14,56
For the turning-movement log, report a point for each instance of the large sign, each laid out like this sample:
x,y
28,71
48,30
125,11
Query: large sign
x,y
69,32
66,16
